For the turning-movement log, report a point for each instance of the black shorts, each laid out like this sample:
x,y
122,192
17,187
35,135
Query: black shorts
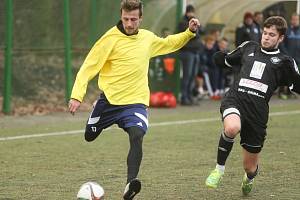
x,y
252,134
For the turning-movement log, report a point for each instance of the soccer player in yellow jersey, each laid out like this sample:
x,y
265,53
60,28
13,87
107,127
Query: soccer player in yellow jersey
x,y
121,59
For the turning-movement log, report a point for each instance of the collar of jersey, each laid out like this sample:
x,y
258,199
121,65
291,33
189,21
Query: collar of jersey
x,y
121,29
270,52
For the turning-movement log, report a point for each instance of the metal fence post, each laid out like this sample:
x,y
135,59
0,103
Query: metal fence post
x,y
179,7
8,57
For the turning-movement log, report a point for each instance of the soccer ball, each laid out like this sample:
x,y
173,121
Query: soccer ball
x,y
90,191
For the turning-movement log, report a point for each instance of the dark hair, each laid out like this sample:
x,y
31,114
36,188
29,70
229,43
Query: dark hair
x,y
278,22
189,8
248,15
130,5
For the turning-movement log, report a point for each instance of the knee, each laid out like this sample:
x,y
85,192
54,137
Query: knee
x,y
232,130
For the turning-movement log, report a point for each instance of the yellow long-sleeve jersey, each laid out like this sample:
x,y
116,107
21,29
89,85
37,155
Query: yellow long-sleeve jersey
x,y
122,63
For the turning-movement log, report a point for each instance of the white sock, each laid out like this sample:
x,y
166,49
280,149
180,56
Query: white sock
x,y
220,167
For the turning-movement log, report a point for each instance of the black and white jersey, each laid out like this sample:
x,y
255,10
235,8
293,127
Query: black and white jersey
x,y
258,75
260,72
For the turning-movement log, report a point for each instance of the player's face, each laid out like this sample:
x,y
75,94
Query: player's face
x,y
271,38
131,21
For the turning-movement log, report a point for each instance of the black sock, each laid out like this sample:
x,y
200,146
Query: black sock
x,y
224,148
135,152
252,175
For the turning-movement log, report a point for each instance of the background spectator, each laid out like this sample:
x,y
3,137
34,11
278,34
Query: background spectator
x,y
291,46
292,39
189,56
246,31
258,19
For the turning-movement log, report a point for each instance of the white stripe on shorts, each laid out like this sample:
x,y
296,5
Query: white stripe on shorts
x,y
93,120
142,117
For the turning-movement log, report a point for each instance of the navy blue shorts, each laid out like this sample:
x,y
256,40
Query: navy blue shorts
x,y
105,114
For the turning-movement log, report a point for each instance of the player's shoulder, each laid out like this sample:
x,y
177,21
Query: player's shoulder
x,y
111,32
249,46
286,58
286,61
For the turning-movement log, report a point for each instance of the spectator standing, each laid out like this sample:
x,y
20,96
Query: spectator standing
x,y
292,40
258,20
291,46
227,75
246,31
189,56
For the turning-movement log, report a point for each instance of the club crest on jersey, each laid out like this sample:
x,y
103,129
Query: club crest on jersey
x,y
275,60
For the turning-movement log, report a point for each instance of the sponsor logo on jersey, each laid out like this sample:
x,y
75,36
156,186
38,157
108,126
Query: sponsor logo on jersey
x,y
275,60
257,69
251,54
253,85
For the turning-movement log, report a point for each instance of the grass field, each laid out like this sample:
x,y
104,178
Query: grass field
x,y
179,152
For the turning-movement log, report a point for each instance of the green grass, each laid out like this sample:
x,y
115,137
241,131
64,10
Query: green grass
x,y
177,158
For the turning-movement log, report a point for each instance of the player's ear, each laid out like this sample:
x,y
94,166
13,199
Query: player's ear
x,y
281,38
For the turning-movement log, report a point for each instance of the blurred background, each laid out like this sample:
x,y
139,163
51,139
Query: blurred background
x,y
43,43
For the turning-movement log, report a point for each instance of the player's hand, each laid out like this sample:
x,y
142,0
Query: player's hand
x,y
194,24
74,105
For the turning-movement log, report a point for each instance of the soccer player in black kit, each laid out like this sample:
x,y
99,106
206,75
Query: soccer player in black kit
x,y
260,69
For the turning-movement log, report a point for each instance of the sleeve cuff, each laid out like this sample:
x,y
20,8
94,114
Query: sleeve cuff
x,y
191,32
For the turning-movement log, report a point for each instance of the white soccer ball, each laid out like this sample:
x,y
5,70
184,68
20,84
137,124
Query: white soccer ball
x,y
90,191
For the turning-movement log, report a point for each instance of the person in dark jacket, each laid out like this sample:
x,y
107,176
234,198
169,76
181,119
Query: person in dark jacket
x,y
247,31
189,56
291,46
258,20
292,40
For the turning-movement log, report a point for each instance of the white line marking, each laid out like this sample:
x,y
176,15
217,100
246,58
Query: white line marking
x,y
152,125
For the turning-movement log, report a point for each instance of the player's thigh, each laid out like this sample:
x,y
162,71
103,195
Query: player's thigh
x,y
134,115
253,136
102,116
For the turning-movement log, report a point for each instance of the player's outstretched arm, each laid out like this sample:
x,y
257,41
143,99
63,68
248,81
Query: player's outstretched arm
x,y
296,83
219,59
73,106
292,75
